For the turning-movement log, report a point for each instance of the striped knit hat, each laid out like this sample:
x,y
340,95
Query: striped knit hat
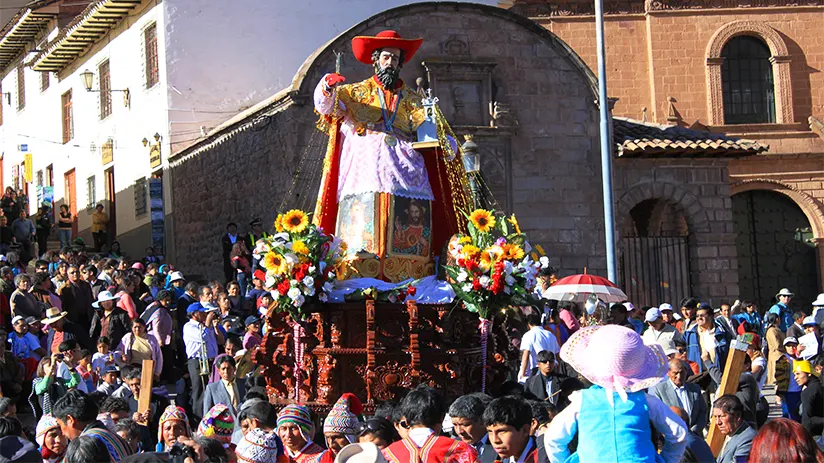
x,y
299,416
343,418
259,446
218,424
46,423
173,413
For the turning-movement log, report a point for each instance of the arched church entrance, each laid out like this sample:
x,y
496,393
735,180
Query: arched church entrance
x,y
655,259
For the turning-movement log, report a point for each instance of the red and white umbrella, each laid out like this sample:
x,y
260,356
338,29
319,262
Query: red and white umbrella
x,y
577,288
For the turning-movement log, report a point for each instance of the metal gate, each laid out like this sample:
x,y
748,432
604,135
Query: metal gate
x,y
655,269
773,251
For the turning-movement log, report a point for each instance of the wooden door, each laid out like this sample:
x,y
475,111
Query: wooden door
x,y
70,197
110,198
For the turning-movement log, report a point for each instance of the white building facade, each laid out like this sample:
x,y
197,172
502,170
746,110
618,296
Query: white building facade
x,y
164,73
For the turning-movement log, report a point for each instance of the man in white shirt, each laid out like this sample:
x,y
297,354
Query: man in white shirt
x,y
659,332
201,337
533,341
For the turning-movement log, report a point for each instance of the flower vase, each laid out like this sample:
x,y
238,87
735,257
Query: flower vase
x,y
484,326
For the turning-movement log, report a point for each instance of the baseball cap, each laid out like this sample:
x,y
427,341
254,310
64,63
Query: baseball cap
x,y
652,314
252,319
176,276
809,321
16,319
790,340
31,320
669,352
195,307
111,369
705,306
665,306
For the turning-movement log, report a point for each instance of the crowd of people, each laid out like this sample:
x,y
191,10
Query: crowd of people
x,y
80,323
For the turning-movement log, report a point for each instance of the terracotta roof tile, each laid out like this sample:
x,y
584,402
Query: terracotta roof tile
x,y
640,139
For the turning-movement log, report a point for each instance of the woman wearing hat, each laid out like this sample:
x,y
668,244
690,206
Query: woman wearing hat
x,y
109,320
613,418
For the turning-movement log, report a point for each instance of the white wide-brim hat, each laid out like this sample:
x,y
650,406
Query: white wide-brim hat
x,y
819,301
366,452
104,296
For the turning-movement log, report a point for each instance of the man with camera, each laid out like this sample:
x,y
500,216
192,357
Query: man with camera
x,y
69,354
201,335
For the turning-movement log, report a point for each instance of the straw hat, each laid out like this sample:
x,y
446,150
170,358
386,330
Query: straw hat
x,y
52,315
615,358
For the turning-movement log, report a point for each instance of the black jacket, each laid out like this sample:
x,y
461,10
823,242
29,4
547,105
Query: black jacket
x,y
119,325
536,384
812,407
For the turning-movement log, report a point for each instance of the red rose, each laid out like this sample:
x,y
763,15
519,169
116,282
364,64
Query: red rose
x,y
411,290
283,287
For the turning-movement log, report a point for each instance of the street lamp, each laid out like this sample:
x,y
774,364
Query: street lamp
x,y
472,165
87,77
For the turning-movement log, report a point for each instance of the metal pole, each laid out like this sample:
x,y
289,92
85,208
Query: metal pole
x,y
606,141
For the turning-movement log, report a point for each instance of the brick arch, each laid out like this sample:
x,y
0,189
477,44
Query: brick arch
x,y
780,60
811,208
686,202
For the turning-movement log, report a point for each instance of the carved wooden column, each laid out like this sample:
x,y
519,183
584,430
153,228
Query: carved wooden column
x,y
414,345
370,348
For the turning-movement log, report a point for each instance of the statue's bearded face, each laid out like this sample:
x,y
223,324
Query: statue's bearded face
x,y
387,63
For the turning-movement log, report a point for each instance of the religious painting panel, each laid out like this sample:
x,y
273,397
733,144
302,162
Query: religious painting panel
x,y
357,221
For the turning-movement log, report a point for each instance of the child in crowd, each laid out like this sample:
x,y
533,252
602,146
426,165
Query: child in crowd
x,y
50,438
252,337
508,422
258,278
109,380
84,369
103,357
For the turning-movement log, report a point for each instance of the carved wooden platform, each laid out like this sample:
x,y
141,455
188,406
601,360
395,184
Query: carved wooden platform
x,y
378,351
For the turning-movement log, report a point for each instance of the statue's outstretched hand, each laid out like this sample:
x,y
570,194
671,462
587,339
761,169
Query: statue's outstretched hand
x,y
331,80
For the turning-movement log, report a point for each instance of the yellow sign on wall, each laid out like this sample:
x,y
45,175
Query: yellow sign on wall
x,y
28,167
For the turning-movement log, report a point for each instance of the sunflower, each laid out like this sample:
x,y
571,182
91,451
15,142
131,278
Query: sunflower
x,y
299,247
512,251
514,223
483,220
470,252
279,223
490,256
465,240
295,221
274,262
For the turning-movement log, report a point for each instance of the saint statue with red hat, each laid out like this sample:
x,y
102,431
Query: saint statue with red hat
x,y
378,193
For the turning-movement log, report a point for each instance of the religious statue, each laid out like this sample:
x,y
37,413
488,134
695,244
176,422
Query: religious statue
x,y
377,190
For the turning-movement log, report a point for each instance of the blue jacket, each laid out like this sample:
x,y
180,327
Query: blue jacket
x,y
785,316
722,346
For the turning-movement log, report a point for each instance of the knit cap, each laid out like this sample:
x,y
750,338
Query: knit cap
x,y
46,423
343,418
301,417
259,446
218,424
173,413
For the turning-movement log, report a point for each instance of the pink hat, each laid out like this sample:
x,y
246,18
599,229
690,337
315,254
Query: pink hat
x,y
615,358
137,266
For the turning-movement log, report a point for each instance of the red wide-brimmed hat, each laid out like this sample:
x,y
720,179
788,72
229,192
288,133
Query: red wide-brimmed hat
x,y
363,46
